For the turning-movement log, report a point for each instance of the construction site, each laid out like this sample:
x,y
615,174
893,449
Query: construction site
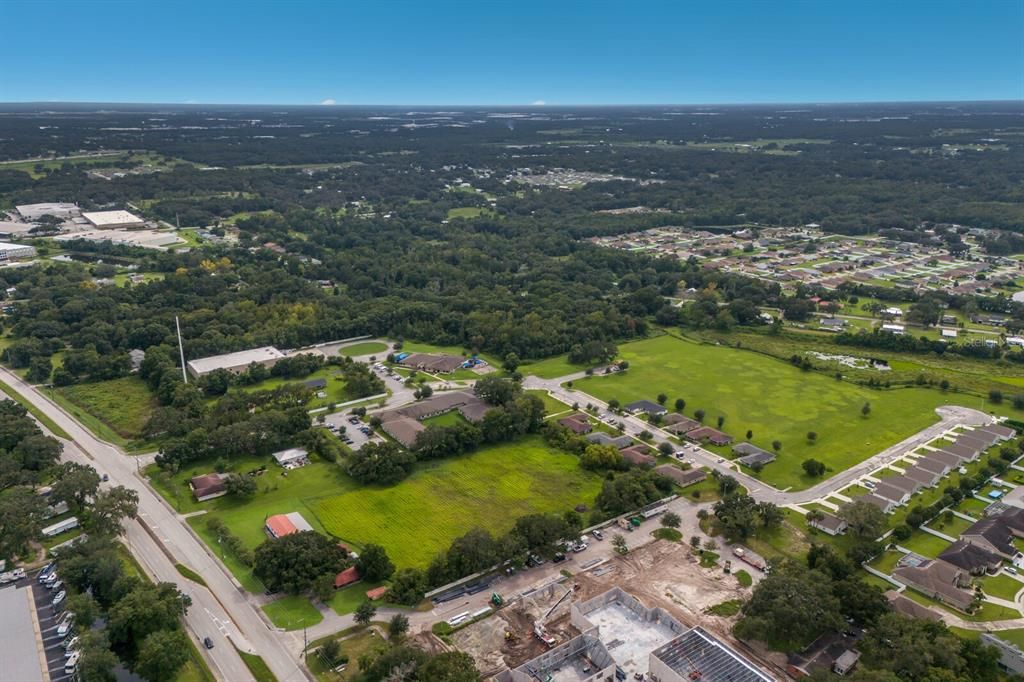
x,y
626,607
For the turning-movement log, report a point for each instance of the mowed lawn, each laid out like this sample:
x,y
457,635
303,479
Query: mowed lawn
x,y
414,519
122,406
365,348
774,400
418,518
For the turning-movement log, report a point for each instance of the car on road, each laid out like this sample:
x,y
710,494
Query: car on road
x,y
721,460
207,642
105,478
61,596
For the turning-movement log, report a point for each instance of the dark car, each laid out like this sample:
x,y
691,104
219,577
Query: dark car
x,y
207,642
559,557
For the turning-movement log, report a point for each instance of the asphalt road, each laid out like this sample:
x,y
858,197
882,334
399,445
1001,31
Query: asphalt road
x,y
222,611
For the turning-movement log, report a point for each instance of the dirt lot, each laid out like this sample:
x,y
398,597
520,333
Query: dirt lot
x,y
661,574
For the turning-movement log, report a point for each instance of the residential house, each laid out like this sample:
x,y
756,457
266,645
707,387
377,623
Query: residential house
x,y
682,478
904,483
927,479
1011,658
317,384
846,663
992,534
713,436
999,430
961,451
577,423
939,580
979,444
829,524
970,557
602,438
637,455
834,324
376,593
898,496
680,428
208,486
988,438
885,504
752,455
647,407
908,607
940,463
403,429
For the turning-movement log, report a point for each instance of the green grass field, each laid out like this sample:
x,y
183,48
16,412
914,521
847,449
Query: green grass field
x,y
417,518
334,391
292,613
551,405
365,348
116,410
447,419
347,599
413,520
774,400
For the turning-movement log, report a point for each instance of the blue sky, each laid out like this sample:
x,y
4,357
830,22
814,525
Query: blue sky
x,y
513,52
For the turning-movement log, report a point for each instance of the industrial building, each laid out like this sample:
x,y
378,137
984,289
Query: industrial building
x,y
106,220
236,362
9,252
698,655
33,212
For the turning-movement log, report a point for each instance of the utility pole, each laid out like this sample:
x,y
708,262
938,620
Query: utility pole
x,y
181,350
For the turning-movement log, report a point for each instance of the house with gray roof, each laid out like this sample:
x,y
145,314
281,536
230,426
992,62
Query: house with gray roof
x,y
938,580
648,407
883,503
936,465
925,478
972,558
602,438
886,490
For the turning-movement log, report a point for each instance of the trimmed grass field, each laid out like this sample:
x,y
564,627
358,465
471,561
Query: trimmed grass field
x,y
414,519
925,544
1001,586
774,400
116,410
292,613
419,517
365,348
334,391
551,405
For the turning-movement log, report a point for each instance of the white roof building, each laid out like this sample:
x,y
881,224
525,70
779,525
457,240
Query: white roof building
x,y
106,219
10,251
236,362
290,456
57,210
894,311
1015,341
948,333
893,328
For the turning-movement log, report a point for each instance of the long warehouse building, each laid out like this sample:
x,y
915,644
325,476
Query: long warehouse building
x,y
236,362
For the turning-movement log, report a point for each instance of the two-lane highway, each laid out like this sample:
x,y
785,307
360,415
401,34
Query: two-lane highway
x,y
221,610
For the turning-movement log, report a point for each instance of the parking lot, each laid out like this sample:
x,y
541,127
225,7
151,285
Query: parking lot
x,y
48,617
352,436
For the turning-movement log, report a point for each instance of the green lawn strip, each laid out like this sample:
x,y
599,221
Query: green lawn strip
x,y
551,405
40,416
257,666
1001,586
348,598
708,559
743,578
551,368
1012,636
190,574
292,613
971,507
705,491
447,419
876,581
726,608
670,534
797,403
787,540
925,544
366,348
987,612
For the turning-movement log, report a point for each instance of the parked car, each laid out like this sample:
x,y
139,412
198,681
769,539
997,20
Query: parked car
x,y
559,557
61,596
66,623
598,535
72,663
47,570
207,642
50,579
56,586
868,484
71,643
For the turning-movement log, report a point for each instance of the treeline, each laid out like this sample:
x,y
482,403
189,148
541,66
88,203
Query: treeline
x,y
121,618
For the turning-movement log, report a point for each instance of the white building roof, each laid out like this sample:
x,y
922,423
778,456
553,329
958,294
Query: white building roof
x,y
18,656
949,333
290,455
36,211
7,246
103,218
240,358
892,327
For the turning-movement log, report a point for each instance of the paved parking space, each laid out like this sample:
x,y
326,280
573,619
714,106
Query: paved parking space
x,y
48,617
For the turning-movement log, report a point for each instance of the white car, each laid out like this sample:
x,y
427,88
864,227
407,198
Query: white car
x,y
72,663
71,643
598,535
66,624
56,585
61,596
868,484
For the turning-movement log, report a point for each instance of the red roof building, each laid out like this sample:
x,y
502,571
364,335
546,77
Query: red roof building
x,y
376,593
347,577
